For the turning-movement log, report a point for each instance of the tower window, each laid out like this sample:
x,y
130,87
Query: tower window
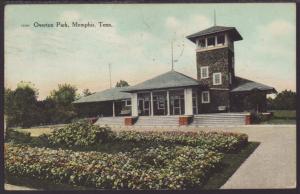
x,y
204,72
201,43
205,98
217,78
211,41
221,39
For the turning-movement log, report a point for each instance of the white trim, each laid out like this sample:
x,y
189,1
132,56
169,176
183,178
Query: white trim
x,y
214,78
202,98
113,107
219,89
151,104
202,69
168,103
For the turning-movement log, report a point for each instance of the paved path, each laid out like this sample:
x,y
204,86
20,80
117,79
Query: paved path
x,y
10,187
272,164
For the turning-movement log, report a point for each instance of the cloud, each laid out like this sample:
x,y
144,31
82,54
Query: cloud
x,y
275,39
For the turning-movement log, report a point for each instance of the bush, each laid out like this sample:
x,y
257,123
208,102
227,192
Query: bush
x,y
15,136
80,133
154,168
216,141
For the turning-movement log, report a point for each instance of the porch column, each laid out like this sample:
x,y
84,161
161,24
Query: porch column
x,y
151,101
188,101
113,107
134,105
168,103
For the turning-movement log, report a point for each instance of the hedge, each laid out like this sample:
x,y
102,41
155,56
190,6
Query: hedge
x,y
80,133
216,141
179,167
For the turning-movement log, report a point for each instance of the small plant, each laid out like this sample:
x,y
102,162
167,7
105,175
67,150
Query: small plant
x,y
80,133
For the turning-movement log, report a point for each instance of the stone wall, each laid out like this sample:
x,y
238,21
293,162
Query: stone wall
x,y
218,60
217,98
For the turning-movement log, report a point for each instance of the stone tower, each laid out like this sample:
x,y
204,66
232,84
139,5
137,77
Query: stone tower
x,y
215,65
215,55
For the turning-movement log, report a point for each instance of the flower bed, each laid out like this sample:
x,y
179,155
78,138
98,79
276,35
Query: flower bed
x,y
178,167
216,141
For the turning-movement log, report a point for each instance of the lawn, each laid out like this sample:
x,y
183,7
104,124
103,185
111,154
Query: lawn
x,y
282,117
85,156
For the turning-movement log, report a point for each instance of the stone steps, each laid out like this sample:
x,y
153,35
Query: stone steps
x,y
157,120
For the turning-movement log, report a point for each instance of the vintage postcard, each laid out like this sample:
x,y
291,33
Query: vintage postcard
x,y
150,96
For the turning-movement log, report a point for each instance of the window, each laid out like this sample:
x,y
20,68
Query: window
x,y
205,97
230,78
221,39
211,41
128,103
204,72
201,43
232,62
217,79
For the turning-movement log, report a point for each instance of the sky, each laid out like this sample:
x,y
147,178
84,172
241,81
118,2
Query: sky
x,y
138,43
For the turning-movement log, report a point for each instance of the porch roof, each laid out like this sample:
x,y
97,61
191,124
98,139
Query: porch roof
x,y
245,85
106,95
170,79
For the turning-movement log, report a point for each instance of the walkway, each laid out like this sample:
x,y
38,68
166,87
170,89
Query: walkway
x,y
272,164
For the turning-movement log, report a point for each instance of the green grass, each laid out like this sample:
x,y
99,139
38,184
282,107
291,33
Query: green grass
x,y
231,163
284,114
282,117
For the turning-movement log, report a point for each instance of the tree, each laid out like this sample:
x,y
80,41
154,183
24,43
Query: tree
x,y
122,83
285,100
60,101
20,105
65,94
86,92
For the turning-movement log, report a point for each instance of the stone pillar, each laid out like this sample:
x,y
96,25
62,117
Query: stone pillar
x,y
151,103
134,105
113,107
188,101
168,103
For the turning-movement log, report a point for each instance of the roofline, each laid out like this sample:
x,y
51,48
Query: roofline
x,y
269,91
192,36
100,101
164,88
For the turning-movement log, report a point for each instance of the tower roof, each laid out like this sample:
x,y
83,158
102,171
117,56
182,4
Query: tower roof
x,y
215,29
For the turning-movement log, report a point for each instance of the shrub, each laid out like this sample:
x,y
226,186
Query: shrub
x,y
178,167
217,141
17,136
80,133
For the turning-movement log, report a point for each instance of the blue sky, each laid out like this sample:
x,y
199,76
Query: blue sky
x,y
138,45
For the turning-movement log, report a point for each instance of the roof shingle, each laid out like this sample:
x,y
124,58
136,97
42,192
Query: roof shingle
x,y
214,29
170,79
106,95
245,85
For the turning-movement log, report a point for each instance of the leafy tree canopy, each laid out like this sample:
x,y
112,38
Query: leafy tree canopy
x,y
64,95
285,100
86,92
122,83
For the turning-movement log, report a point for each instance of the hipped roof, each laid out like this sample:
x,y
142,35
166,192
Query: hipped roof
x,y
170,79
106,95
234,34
245,85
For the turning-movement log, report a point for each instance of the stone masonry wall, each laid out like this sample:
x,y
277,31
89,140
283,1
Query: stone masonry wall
x,y
218,61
